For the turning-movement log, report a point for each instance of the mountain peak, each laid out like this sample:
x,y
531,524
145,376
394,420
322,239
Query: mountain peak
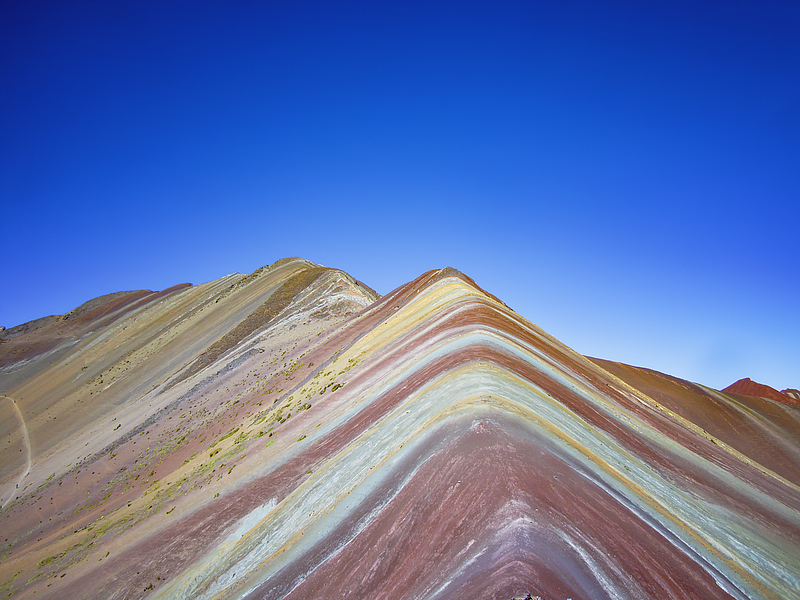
x,y
748,387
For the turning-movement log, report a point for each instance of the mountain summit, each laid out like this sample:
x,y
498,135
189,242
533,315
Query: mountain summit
x,y
291,434
748,387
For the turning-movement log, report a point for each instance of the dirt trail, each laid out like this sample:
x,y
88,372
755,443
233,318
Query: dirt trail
x,y
27,446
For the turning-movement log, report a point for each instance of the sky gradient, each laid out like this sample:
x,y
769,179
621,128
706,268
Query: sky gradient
x,y
625,176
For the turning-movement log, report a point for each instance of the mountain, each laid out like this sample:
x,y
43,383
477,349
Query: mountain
x,y
748,387
290,434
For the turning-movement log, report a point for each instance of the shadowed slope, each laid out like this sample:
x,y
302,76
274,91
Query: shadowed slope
x,y
430,444
260,318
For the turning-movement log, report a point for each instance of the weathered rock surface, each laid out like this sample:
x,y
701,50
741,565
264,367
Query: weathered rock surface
x,y
287,434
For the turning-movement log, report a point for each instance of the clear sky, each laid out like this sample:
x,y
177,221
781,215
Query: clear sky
x,y
624,174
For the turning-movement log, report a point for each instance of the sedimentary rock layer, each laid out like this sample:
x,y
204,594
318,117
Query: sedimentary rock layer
x,y
289,435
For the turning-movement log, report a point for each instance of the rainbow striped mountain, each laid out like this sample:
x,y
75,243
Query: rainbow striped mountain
x,y
291,434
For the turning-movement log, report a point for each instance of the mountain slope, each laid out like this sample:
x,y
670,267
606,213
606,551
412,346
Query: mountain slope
x,y
292,436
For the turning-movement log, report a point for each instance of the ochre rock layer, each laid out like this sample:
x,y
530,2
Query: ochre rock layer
x,y
288,434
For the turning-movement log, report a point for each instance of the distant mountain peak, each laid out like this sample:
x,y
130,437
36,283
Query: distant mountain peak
x,y
748,387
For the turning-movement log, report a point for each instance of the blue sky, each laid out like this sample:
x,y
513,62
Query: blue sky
x,y
624,174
